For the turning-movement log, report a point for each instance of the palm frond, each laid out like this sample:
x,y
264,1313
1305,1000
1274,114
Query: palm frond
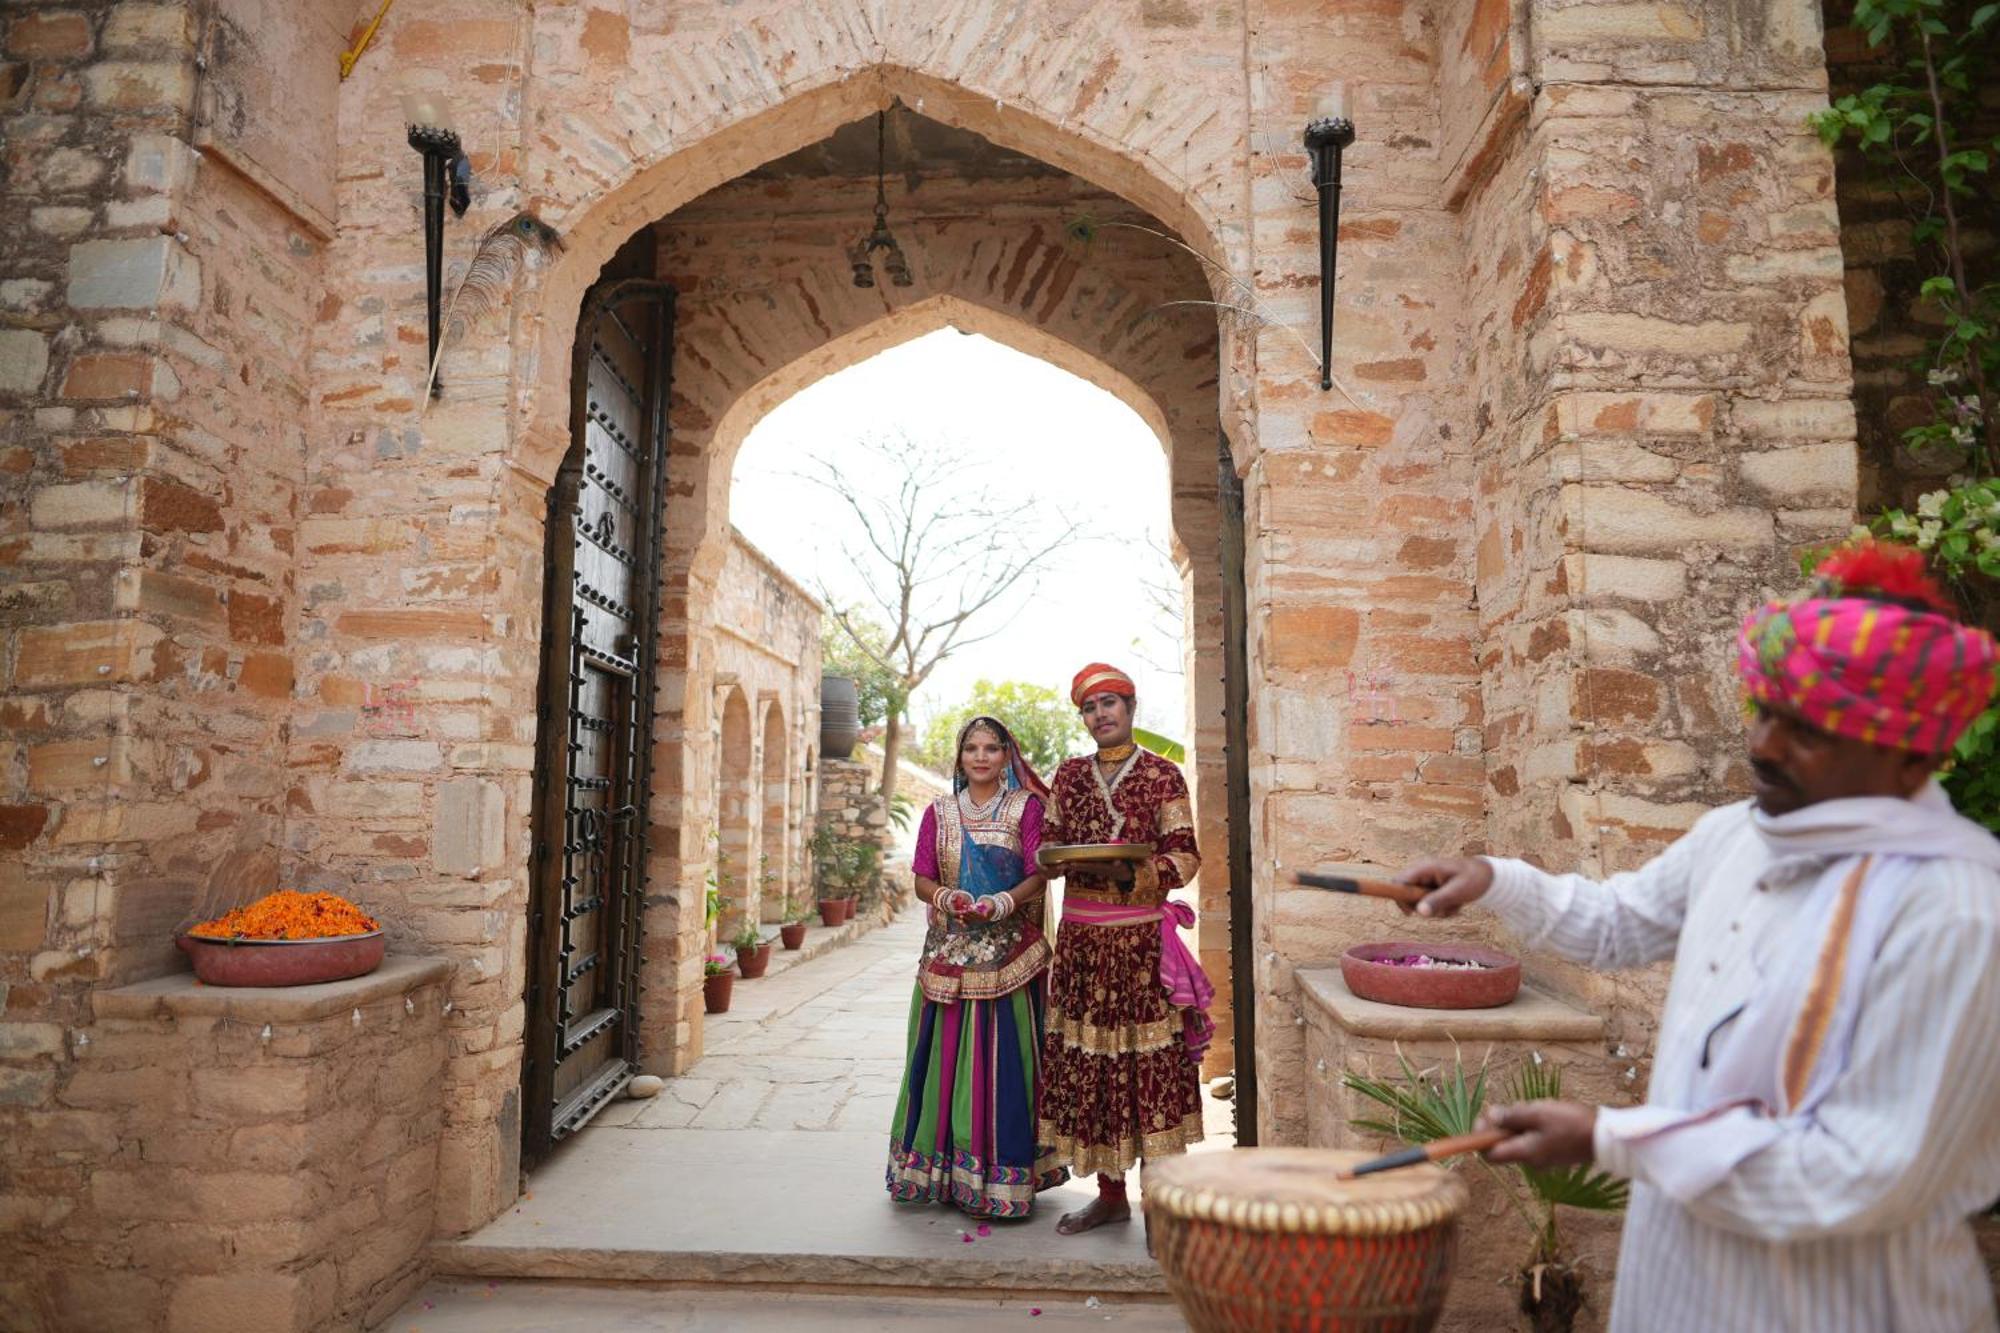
x,y
489,277
1535,1080
1164,746
1578,1187
1424,1106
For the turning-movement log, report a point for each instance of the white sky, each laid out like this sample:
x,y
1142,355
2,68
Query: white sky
x,y
1045,432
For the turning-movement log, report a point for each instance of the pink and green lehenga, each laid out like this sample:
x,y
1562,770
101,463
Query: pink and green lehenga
x,y
966,1117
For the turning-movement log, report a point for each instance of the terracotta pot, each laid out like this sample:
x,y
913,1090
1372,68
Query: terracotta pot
x,y
1486,987
793,933
752,962
829,912
283,962
846,910
715,989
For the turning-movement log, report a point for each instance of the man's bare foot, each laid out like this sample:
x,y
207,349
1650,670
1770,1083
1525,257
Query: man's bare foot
x,y
1094,1214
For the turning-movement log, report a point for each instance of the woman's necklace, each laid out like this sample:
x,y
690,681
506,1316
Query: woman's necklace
x,y
984,810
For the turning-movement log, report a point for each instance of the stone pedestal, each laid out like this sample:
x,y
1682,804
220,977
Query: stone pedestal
x,y
268,1156
1345,1032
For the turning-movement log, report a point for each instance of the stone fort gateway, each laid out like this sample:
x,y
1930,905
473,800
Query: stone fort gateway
x,y
277,616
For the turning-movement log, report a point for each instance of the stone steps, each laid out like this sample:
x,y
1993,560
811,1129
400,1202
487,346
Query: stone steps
x,y
471,1305
789,1207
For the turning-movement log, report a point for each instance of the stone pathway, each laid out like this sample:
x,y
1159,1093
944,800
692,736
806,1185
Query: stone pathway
x,y
763,1165
817,1046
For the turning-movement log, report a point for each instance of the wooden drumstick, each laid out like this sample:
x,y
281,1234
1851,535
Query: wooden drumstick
x,y
1434,1151
1408,894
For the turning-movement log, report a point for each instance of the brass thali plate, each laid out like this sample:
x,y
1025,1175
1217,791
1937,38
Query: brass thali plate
x,y
1086,852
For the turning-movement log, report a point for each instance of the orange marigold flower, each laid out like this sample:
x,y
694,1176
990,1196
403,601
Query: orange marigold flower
x,y
290,915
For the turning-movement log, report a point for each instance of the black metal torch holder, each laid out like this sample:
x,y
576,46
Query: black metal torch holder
x,y
440,150
1325,140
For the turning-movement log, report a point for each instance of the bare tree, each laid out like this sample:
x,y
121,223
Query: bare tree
x,y
1160,586
938,550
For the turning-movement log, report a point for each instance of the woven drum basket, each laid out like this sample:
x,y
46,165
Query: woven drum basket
x,y
1268,1238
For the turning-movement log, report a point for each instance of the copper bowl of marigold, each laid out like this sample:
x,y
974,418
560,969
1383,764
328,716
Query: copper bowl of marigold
x,y
286,938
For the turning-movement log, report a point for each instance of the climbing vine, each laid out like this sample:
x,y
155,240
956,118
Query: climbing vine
x,y
1924,127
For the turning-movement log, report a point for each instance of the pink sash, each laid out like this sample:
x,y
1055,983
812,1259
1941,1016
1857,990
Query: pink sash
x,y
1187,987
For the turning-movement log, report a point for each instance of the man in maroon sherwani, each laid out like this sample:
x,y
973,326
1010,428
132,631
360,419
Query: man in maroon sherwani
x,y
1127,1018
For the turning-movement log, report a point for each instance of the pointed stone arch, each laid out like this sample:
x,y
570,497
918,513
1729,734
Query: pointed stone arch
x,y
1063,95
1106,335
774,884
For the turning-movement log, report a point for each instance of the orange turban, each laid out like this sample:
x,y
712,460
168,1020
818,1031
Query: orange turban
x,y
1100,678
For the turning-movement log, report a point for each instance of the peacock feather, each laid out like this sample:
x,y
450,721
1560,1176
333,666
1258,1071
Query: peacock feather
x,y
498,257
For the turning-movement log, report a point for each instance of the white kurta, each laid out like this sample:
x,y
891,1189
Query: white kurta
x,y
1857,1219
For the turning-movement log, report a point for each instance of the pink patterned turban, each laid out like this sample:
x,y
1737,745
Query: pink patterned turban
x,y
1873,653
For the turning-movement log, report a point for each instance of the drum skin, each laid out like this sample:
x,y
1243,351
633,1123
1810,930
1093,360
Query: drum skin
x,y
1267,1239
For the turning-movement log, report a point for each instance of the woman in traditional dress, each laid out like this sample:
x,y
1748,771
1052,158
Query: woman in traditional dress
x,y
966,1117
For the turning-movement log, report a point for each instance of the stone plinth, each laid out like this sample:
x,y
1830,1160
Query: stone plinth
x,y
1345,1032
269,1156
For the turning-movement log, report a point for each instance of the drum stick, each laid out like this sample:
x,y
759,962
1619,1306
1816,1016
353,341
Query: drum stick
x,y
1408,894
1434,1151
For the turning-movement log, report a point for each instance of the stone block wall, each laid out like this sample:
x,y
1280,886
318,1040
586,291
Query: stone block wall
x,y
156,308
852,810
243,1160
1662,418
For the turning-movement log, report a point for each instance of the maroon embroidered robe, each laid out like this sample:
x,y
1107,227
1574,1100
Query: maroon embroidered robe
x,y
1118,1083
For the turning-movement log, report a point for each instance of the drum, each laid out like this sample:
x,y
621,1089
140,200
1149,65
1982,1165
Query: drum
x,y
1268,1238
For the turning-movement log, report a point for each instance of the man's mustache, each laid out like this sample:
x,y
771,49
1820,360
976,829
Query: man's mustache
x,y
1772,775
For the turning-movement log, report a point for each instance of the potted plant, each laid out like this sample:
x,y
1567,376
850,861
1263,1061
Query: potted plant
x,y
717,981
860,860
793,931
826,854
718,885
753,953
1426,1107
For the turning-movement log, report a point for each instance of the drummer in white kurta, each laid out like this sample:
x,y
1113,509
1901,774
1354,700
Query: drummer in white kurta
x,y
1824,1114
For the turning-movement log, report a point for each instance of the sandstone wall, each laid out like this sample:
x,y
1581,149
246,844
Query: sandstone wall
x,y
155,373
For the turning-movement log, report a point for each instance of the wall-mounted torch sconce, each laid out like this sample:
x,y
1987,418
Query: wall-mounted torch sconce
x,y
1325,140
445,168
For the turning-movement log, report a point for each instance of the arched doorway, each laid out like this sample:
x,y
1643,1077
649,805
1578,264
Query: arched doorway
x,y
736,809
1119,305
773,896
